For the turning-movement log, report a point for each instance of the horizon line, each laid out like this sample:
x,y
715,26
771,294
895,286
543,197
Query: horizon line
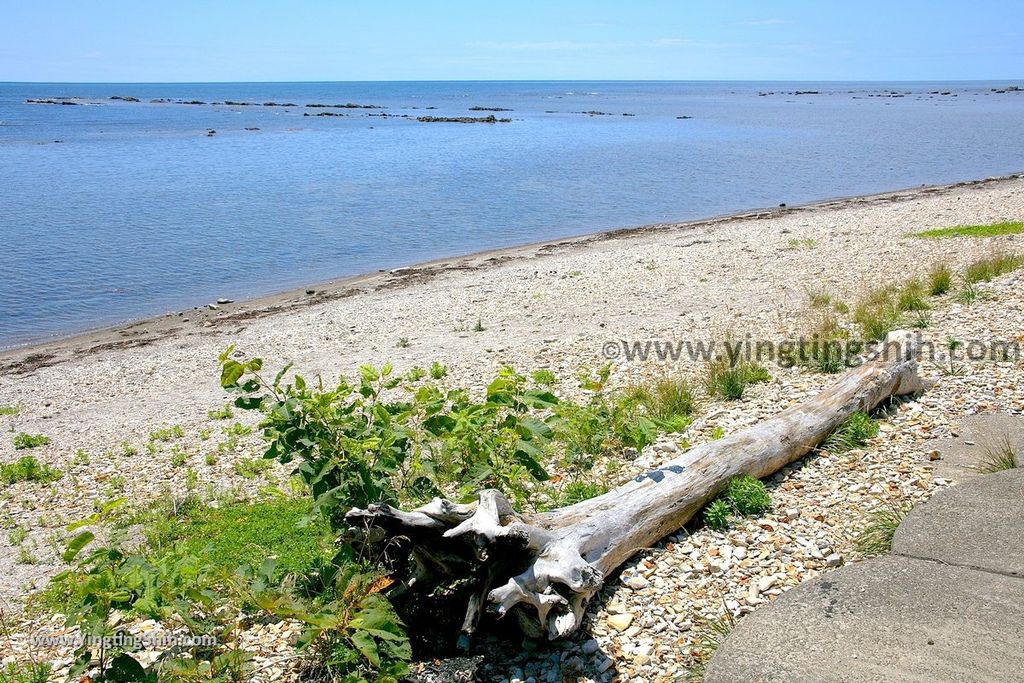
x,y
540,80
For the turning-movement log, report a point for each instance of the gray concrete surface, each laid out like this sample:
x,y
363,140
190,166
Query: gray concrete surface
x,y
889,619
978,524
960,456
947,605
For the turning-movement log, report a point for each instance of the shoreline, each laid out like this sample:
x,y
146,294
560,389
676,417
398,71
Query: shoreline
x,y
207,318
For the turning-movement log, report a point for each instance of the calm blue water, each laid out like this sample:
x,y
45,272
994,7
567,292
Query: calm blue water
x,y
136,211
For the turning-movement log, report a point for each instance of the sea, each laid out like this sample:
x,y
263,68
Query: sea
x,y
133,200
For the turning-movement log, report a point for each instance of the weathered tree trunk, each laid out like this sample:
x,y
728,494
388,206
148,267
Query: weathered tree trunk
x,y
556,561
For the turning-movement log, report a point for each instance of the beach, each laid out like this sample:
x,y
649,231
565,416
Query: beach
x,y
564,305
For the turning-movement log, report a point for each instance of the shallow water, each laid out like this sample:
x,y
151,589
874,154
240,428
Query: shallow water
x,y
137,211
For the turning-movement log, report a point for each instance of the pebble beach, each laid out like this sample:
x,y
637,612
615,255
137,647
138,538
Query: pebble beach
x,y
564,306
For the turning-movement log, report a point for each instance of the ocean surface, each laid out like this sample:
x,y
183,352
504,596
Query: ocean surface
x,y
114,209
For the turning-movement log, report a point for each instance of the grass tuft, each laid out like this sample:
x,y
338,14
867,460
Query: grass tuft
x,y
853,433
876,537
727,380
912,297
878,313
940,280
992,230
667,399
999,456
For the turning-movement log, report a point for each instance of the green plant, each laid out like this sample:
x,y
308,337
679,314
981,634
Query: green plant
x,y
828,348
25,556
28,469
992,230
715,631
748,496
250,468
876,536
878,313
23,441
167,434
479,327
403,343
921,320
940,279
667,399
578,491
27,672
853,433
984,269
544,377
178,457
438,371
81,458
17,535
357,446
717,515
999,456
728,380
10,410
969,294
912,297
355,635
223,413
128,450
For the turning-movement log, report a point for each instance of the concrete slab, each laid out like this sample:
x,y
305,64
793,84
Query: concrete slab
x,y
979,523
892,618
959,457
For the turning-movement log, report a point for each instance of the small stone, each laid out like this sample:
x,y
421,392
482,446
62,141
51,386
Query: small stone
x,y
590,646
834,560
620,622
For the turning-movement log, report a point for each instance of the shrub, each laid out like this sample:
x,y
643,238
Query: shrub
x,y
853,433
940,280
24,441
28,469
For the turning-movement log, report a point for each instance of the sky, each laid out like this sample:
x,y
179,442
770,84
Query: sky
x,y
338,40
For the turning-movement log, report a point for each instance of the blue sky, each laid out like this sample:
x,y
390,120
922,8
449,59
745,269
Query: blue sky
x,y
335,40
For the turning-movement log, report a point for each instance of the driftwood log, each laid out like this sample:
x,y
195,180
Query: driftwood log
x,y
545,567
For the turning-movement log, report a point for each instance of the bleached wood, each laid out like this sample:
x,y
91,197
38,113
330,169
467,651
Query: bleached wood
x,y
567,552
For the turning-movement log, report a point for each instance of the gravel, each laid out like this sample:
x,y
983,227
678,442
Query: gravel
x,y
556,307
